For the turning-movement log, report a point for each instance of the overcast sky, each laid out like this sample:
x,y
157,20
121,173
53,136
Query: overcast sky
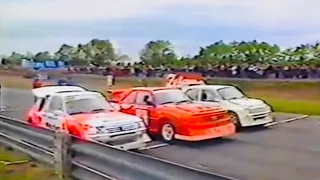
x,y
39,25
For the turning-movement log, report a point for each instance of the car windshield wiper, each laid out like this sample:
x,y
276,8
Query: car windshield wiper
x,y
80,112
98,110
183,101
168,102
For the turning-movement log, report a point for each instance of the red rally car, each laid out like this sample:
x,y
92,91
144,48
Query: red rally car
x,y
168,112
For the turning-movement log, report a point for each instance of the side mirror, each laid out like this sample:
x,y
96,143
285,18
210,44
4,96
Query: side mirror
x,y
150,103
58,113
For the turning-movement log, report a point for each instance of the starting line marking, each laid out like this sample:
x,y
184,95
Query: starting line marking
x,y
286,121
154,146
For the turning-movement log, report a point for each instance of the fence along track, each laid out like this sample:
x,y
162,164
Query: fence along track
x,y
84,159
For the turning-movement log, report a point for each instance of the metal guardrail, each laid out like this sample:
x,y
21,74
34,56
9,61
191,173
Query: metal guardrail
x,y
80,159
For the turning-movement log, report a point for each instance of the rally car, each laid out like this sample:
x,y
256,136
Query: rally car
x,y
182,79
244,111
169,113
88,115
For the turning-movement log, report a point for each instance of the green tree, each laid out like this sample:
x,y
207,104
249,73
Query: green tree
x,y
42,56
158,52
101,52
65,52
218,52
14,58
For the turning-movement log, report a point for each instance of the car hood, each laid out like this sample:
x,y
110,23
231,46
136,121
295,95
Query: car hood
x,y
106,118
247,102
193,108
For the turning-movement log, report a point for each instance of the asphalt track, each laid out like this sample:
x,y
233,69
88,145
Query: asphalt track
x,y
283,151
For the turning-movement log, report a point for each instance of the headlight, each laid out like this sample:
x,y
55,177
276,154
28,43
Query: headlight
x,y
268,108
88,129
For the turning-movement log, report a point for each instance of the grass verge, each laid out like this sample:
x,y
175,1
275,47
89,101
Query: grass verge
x,y
21,168
291,97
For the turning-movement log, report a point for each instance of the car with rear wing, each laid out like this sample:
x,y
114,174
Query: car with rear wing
x,y
169,113
244,111
88,115
182,79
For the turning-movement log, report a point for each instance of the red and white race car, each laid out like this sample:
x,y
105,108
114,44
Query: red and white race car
x,y
88,115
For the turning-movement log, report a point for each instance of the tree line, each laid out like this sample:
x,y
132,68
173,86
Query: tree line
x,y
162,53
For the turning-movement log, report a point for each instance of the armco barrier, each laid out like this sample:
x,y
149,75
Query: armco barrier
x,y
79,159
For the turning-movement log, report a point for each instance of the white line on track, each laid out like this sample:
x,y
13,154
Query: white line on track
x,y
7,109
154,146
286,121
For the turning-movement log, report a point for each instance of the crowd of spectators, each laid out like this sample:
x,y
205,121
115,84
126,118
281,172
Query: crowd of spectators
x,y
226,71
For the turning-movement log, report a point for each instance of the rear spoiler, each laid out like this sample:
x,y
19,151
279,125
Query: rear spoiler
x,y
184,79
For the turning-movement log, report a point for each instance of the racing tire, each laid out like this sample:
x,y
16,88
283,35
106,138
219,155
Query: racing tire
x,y
168,132
235,120
30,121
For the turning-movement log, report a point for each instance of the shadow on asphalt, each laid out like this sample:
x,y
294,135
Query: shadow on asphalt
x,y
205,143
254,129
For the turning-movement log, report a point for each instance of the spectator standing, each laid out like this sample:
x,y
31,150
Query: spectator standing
x,y
37,83
70,82
62,82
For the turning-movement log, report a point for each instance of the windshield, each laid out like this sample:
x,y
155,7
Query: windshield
x,y
87,104
170,96
230,93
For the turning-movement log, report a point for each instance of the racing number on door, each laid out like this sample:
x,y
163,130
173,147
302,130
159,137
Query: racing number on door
x,y
142,113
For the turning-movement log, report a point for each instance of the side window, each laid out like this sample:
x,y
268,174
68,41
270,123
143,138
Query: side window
x,y
141,96
130,98
192,94
207,95
55,104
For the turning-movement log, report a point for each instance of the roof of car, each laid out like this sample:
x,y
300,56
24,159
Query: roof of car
x,y
216,87
49,90
77,93
152,88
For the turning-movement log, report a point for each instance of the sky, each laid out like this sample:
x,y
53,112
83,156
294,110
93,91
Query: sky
x,y
44,25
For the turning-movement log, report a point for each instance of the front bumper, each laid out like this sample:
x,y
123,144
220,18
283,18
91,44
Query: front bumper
x,y
125,141
210,133
256,119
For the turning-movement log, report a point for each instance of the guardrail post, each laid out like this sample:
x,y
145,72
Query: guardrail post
x,y
1,97
62,157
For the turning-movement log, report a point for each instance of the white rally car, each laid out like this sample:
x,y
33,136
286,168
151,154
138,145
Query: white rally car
x,y
244,111
88,115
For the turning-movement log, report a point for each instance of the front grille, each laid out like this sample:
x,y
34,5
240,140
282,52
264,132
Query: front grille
x,y
113,130
129,127
258,110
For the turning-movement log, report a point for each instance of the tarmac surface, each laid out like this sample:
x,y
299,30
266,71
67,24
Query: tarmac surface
x,y
284,150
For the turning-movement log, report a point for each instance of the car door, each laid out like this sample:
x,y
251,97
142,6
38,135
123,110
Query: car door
x,y
50,118
127,104
143,109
